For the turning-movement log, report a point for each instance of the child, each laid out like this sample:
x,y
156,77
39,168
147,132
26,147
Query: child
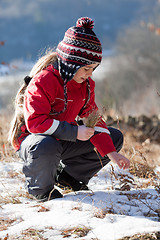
x,y
54,148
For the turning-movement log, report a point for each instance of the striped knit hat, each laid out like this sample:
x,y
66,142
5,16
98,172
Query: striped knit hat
x,y
79,47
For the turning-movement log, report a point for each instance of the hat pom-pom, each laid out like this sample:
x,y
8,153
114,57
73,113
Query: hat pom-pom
x,y
85,22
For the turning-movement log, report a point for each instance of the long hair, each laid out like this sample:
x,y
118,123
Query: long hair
x,y
18,120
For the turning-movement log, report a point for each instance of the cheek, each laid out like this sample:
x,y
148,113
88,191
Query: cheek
x,y
77,76
80,75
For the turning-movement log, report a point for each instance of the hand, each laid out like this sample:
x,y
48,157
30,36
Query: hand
x,y
84,133
121,161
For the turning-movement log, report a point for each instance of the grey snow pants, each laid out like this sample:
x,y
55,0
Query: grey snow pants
x,y
42,153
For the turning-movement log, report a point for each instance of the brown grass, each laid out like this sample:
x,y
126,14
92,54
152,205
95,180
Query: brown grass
x,y
14,198
5,223
146,152
80,231
147,236
101,213
93,118
7,152
28,234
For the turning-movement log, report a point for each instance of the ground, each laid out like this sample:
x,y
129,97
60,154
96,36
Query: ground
x,y
120,204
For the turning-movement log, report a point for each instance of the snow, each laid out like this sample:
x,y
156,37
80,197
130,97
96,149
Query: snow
x,y
157,170
106,212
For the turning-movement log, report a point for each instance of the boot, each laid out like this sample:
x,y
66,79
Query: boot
x,y
49,196
64,180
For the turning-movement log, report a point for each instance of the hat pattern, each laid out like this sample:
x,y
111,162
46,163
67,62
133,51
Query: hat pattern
x,y
79,47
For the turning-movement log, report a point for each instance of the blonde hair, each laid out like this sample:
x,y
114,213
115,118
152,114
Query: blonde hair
x,y
18,120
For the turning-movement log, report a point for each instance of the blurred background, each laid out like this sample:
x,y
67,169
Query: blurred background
x,y
128,80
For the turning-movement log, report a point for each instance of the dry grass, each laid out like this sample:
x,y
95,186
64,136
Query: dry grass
x,y
146,153
147,236
93,118
77,206
7,152
101,213
75,232
14,198
28,234
5,223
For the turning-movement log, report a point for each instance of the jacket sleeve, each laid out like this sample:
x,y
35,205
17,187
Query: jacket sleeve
x,y
101,140
37,107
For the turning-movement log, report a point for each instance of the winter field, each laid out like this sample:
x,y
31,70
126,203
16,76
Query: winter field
x,y
120,204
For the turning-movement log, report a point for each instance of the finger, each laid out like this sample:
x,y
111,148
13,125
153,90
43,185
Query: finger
x,y
127,165
90,134
124,164
91,131
121,164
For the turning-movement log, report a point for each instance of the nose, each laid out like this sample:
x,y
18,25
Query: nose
x,y
89,73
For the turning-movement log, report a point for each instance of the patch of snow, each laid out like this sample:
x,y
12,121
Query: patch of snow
x,y
107,213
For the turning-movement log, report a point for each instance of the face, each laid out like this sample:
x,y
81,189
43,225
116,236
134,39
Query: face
x,y
84,72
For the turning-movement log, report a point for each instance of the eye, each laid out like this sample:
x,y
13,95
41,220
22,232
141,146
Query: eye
x,y
86,69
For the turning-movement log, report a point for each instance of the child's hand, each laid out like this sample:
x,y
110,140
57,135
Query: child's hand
x,y
84,133
121,161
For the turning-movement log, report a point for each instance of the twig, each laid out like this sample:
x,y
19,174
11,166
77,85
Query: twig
x,y
118,122
95,149
51,193
147,205
93,118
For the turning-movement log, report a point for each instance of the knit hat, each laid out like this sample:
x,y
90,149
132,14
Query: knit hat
x,y
79,47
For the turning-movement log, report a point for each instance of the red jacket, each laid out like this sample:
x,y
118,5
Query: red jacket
x,y
45,94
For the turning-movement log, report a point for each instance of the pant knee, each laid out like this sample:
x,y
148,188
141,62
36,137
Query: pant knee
x,y
46,145
41,158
